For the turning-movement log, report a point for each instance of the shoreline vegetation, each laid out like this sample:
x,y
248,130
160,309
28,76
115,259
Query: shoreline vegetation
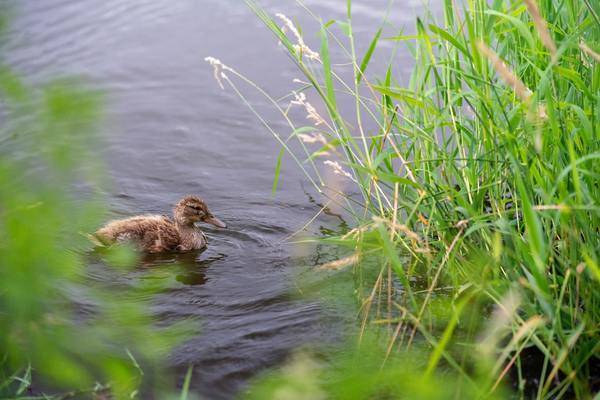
x,y
476,216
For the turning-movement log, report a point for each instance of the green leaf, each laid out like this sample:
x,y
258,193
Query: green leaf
x,y
405,95
449,38
122,256
575,78
277,171
518,24
186,383
327,68
391,253
345,27
401,38
439,349
368,55
534,234
384,176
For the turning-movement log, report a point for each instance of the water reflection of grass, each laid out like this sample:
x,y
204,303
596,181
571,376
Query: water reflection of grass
x,y
479,200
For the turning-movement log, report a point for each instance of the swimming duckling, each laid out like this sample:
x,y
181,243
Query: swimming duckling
x,y
158,233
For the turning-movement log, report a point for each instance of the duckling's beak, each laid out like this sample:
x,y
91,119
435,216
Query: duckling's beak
x,y
215,221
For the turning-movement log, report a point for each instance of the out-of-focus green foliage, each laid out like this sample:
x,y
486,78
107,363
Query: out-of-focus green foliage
x,y
49,175
364,372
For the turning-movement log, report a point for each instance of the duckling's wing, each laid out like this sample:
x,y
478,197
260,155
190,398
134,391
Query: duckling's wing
x,y
156,234
143,229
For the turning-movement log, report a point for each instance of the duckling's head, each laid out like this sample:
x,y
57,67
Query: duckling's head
x,y
192,209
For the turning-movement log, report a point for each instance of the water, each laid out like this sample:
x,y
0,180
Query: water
x,y
169,130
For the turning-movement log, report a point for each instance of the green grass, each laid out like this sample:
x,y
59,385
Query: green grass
x,y
478,188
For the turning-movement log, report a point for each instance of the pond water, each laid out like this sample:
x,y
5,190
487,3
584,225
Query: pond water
x,y
169,130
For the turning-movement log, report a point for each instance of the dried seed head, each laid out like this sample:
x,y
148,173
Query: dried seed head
x,y
311,112
341,263
462,224
314,138
541,26
338,170
589,52
301,48
219,67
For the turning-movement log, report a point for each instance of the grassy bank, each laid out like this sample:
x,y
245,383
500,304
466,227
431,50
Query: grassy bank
x,y
476,188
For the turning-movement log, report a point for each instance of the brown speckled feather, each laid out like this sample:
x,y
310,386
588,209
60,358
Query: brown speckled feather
x,y
153,233
157,233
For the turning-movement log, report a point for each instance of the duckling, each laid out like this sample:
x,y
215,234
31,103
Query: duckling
x,y
158,233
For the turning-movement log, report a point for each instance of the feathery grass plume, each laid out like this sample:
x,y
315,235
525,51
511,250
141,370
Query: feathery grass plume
x,y
409,233
338,170
589,51
314,138
311,112
301,48
541,26
341,263
219,67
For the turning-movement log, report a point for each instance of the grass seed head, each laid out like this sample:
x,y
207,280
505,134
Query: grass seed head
x,y
585,48
301,47
541,26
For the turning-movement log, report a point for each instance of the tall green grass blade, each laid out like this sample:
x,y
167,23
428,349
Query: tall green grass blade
x,y
518,24
440,348
325,57
449,38
367,57
185,390
277,171
391,253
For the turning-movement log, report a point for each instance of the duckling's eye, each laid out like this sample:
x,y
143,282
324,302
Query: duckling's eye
x,y
196,208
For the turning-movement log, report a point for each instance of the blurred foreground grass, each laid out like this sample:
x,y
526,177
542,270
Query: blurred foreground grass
x,y
49,180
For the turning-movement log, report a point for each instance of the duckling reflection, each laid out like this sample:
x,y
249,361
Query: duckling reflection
x,y
195,273
188,268
188,259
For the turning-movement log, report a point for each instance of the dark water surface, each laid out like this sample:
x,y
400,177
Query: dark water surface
x,y
169,130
